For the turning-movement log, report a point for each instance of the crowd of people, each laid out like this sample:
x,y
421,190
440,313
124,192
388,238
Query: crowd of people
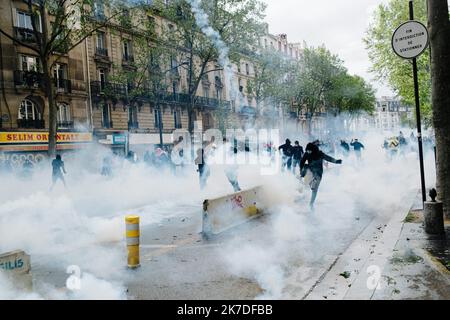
x,y
400,145
305,163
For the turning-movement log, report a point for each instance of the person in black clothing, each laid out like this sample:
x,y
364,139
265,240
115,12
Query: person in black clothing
x,y
286,160
345,148
315,158
107,167
203,168
58,170
357,146
297,151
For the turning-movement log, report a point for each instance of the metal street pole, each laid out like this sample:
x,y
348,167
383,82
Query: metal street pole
x,y
160,125
419,124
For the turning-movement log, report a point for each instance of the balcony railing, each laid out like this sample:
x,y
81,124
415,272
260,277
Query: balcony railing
x,y
127,58
108,88
65,124
101,51
32,79
25,34
63,85
27,78
31,124
111,89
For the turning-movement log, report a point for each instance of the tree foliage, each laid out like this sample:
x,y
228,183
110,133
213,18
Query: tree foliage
x,y
386,65
58,26
270,81
214,32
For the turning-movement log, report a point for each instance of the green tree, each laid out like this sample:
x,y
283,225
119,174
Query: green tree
x,y
58,26
390,68
213,32
270,84
315,75
351,94
153,68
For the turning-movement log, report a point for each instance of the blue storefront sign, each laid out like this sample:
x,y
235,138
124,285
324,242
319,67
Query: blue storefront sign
x,y
119,139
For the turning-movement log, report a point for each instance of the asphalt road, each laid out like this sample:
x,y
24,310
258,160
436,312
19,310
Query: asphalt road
x,y
177,263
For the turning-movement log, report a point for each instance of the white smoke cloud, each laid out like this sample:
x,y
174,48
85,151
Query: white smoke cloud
x,y
348,195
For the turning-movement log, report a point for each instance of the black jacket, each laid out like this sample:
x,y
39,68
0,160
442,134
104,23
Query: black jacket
x,y
297,152
287,150
357,145
315,162
345,146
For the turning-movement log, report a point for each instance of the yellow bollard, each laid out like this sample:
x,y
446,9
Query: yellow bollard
x,y
132,233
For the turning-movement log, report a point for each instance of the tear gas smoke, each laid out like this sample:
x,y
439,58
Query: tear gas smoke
x,y
350,195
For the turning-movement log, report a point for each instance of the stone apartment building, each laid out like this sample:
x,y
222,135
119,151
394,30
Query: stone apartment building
x,y
23,106
94,107
390,112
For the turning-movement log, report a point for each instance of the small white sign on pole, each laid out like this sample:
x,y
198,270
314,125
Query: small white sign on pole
x,y
410,39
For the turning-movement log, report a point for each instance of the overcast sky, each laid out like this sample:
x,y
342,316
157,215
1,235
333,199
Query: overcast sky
x,y
339,24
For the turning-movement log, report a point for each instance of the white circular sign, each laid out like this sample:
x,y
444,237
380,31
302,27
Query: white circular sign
x,y
410,39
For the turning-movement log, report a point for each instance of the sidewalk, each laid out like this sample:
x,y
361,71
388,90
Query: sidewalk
x,y
408,263
420,264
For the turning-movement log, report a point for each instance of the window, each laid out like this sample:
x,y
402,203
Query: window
x,y
28,111
218,93
106,116
102,78
175,87
132,118
101,40
265,43
99,11
29,63
247,69
59,74
173,66
23,20
127,50
239,67
206,91
241,88
63,115
177,120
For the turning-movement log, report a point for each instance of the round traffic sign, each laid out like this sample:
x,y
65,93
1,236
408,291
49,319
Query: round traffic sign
x,y
410,39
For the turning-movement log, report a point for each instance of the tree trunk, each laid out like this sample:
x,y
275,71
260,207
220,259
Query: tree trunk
x,y
439,29
52,108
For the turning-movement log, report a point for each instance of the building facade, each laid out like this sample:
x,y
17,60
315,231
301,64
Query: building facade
x,y
391,114
23,105
91,100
